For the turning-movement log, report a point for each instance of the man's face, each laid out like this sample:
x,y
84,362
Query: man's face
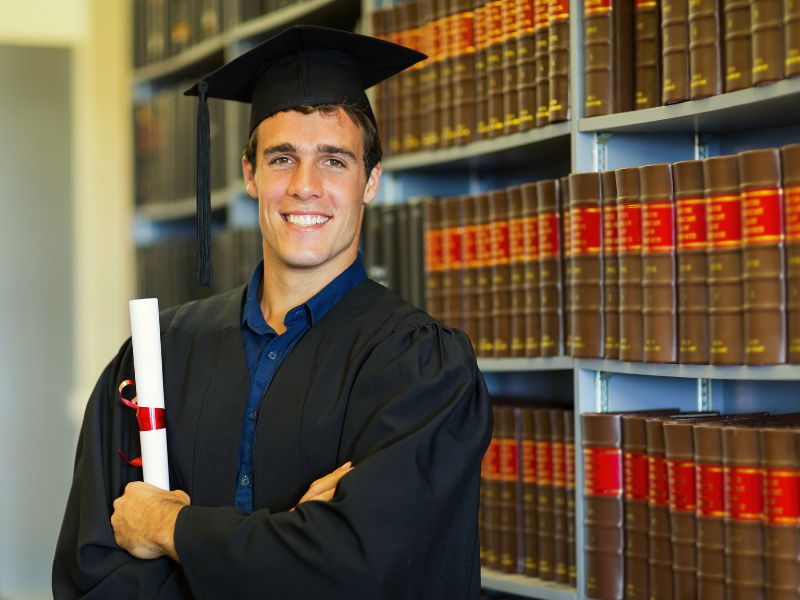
x,y
311,188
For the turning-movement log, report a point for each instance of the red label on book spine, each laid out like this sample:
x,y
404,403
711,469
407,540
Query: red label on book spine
x,y
569,465
710,491
508,459
682,489
658,481
691,223
484,245
525,13
585,228
792,209
610,241
516,233
469,246
453,247
544,463
490,465
644,4
465,26
658,227
528,461
548,235
501,249
603,471
434,253
782,496
559,466
596,7
540,14
762,213
724,221
557,10
530,238
629,228
636,484
744,494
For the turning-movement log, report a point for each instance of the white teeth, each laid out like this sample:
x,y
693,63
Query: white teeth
x,y
306,220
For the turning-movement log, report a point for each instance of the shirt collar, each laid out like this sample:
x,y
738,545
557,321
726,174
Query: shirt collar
x,y
315,306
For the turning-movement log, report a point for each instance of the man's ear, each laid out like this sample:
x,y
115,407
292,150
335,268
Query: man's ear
x,y
249,174
373,183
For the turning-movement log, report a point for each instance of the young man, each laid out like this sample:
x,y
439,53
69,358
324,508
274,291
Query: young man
x,y
311,369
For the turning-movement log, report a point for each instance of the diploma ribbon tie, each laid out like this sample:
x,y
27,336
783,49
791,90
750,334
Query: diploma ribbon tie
x,y
148,417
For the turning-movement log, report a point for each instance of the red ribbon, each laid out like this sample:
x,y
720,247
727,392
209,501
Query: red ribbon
x,y
149,419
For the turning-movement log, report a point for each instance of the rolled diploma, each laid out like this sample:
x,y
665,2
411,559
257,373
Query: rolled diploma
x,y
146,337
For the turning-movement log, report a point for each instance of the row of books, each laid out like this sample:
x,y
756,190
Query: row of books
x,y
165,156
163,28
494,67
644,54
527,507
691,506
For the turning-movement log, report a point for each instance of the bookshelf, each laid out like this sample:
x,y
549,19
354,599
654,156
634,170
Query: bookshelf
x,y
756,117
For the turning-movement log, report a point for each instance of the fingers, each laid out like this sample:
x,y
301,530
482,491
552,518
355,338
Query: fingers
x,y
324,487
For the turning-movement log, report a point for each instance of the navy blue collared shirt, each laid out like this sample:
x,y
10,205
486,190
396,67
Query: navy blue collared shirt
x,y
265,350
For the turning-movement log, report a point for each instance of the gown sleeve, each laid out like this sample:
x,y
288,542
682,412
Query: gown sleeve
x,y
88,563
417,423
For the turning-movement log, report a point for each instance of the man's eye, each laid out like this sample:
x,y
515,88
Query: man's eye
x,y
335,162
280,160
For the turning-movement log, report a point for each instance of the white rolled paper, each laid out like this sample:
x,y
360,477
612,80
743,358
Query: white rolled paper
x,y
146,337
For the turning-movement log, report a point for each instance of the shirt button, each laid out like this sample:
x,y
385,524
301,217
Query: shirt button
x,y
245,481
253,415
272,355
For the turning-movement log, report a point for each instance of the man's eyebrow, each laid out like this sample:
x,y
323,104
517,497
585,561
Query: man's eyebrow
x,y
328,149
285,147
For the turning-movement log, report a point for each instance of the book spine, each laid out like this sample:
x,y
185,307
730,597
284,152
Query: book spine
x,y
491,498
447,134
744,500
647,72
675,51
569,462
659,323
526,65
558,448
763,257
636,488
566,280
549,225
738,70
481,22
610,266
681,469
690,208
516,236
464,73
724,230
766,31
416,252
790,165
403,241
602,492
393,86
389,240
451,272
428,76
542,81
511,32
558,50
181,25
530,517
509,474
791,30
412,130
598,63
434,256
500,273
629,235
545,494
659,540
585,265
705,56
532,332
779,461
484,239
470,301
494,69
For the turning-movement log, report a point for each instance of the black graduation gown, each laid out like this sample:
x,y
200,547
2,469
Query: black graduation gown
x,y
375,381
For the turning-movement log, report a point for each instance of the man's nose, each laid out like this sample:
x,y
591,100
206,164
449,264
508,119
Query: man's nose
x,y
306,182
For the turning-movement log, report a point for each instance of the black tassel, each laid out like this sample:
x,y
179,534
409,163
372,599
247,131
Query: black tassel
x,y
204,270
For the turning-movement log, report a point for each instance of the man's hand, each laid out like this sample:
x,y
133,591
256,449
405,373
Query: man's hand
x,y
324,487
144,520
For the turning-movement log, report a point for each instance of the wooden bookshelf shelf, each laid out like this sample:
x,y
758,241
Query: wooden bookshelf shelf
x,y
773,105
509,365
182,209
527,587
329,13
772,372
196,60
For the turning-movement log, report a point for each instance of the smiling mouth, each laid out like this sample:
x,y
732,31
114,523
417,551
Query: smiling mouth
x,y
305,220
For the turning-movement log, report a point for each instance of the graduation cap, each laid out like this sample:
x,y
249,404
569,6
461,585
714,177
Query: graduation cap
x,y
302,65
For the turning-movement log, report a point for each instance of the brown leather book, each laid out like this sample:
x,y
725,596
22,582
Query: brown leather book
x,y
526,66
766,30
569,468
791,29
508,486
675,51
566,280
531,293
409,106
451,268
545,494
660,559
724,260
636,487
494,69
394,141
629,236
790,166
434,256
530,509
484,239
705,52
481,23
780,448
550,278
763,256
470,300
378,23
558,50
647,50
501,273
738,69
744,501
428,76
463,72
690,208
659,302
516,244
489,513
585,265
446,98
610,266
511,32
607,57
558,448
541,79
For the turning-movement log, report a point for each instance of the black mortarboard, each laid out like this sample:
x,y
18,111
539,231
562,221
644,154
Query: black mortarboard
x,y
302,65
